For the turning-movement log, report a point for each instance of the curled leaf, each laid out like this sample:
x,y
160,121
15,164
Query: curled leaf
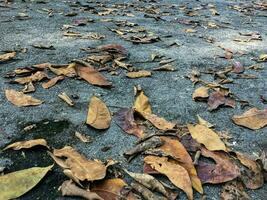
x,y
201,93
52,82
27,144
66,98
142,104
68,71
7,56
38,76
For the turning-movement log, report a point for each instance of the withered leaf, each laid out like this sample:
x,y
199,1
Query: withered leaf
x,y
124,118
234,190
112,189
66,98
52,82
176,173
217,99
38,76
142,104
68,188
207,137
177,151
42,66
201,93
98,114
81,167
7,56
20,99
252,176
84,138
27,144
29,87
138,74
166,67
114,48
224,170
68,71
252,118
91,75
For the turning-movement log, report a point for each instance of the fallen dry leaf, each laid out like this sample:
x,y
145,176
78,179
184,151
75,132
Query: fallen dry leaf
x,y
66,98
176,173
124,118
234,190
68,70
20,99
207,137
139,74
15,184
38,76
80,167
29,87
84,138
27,144
42,66
142,104
217,99
52,82
224,170
68,188
201,93
113,48
252,118
7,56
98,114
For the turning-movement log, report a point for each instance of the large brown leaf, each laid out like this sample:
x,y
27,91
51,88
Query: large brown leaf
x,y
217,99
176,173
224,170
253,119
38,76
80,167
98,114
112,189
124,118
20,99
207,137
27,144
91,75
176,150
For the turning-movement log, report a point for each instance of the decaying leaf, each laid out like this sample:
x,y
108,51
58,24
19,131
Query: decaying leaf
x,y
66,98
52,82
112,189
207,137
42,65
176,173
142,104
113,48
98,114
252,176
68,70
29,87
201,93
80,167
252,118
124,118
217,99
68,188
38,76
15,184
91,75
7,56
27,144
224,170
20,99
175,149
138,74
234,190
84,138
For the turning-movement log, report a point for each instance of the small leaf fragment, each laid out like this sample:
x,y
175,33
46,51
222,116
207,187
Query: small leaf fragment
x,y
38,76
66,98
201,93
139,74
27,144
7,56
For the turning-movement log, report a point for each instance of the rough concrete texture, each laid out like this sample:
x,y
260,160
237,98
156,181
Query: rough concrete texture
x,y
170,93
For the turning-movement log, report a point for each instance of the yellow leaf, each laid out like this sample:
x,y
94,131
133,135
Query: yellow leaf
x,y
27,144
176,173
20,99
15,184
207,137
142,104
7,56
158,122
98,114
201,93
253,118
68,71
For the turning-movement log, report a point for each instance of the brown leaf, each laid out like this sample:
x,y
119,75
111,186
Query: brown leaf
x,y
207,137
176,150
52,82
27,144
112,189
253,119
38,76
224,170
66,98
124,118
68,71
19,99
114,48
68,188
142,104
42,65
98,114
217,99
91,75
7,56
234,190
138,74
80,166
252,177
201,93
29,87
176,173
